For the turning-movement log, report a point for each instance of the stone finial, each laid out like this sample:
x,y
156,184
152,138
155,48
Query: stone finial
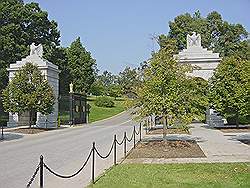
x,y
193,40
36,50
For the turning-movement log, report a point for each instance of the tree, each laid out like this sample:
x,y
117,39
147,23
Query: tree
x,y
230,89
114,90
217,35
59,57
107,78
82,67
97,88
164,90
128,79
198,88
20,25
28,91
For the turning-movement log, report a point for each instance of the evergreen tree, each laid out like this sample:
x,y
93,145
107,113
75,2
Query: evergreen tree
x,y
82,67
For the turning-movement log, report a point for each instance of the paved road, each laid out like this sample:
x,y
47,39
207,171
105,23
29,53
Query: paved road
x,y
64,151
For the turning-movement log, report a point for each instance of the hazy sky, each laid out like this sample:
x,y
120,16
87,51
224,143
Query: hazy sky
x,y
118,33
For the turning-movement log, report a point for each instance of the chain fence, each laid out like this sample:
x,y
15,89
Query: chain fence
x,y
93,152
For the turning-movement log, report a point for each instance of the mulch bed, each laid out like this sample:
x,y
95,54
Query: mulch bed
x,y
29,130
168,131
167,149
235,130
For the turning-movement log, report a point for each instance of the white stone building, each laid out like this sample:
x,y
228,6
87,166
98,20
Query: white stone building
x,y
204,60
51,73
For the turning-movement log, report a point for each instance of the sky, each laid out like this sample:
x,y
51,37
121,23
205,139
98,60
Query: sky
x,y
119,33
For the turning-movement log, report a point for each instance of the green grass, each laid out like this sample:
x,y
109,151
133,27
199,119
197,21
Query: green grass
x,y
99,113
177,175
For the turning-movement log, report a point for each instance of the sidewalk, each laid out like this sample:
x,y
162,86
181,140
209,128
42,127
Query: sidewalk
x,y
216,145
219,146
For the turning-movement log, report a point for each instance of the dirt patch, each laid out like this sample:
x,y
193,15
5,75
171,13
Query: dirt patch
x,y
235,130
167,149
168,131
29,130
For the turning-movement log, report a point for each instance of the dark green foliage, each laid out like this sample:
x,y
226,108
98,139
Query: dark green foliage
x,y
128,79
217,34
106,84
229,88
104,101
81,66
28,91
20,25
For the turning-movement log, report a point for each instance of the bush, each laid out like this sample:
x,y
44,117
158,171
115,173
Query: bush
x,y
104,102
243,120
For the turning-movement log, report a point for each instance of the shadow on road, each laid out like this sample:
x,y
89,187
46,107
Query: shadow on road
x,y
10,136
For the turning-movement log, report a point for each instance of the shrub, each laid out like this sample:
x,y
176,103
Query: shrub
x,y
104,101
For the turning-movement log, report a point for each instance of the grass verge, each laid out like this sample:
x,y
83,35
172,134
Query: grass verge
x,y
177,175
99,113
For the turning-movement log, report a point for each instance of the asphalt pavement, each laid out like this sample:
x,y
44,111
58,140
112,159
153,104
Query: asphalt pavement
x,y
64,151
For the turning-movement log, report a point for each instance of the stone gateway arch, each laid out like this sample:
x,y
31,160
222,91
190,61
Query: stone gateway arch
x,y
51,73
205,60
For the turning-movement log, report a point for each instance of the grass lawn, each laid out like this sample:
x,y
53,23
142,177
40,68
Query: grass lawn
x,y
177,175
99,113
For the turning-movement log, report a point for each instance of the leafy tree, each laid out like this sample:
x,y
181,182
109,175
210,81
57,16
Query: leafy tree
x,y
114,90
107,78
82,67
28,91
128,79
198,88
230,89
20,25
164,89
106,84
217,34
97,88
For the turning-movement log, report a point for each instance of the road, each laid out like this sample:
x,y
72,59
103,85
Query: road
x,y
64,151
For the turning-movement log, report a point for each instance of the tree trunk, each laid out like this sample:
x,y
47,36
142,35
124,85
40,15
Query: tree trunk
x,y
237,120
30,118
164,128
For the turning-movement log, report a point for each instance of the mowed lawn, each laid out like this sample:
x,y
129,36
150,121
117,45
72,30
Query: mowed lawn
x,y
177,175
99,113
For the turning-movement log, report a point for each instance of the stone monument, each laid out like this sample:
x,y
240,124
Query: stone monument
x,y
51,73
204,60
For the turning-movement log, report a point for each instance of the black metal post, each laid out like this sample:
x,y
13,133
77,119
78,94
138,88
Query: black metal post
x,y
134,136
41,171
125,145
114,149
140,131
93,163
2,133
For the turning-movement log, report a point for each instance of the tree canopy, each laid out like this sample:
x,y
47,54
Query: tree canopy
x,y
81,66
230,89
20,25
217,34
